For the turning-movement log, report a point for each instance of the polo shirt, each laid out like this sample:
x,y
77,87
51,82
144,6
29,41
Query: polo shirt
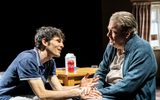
x,y
25,66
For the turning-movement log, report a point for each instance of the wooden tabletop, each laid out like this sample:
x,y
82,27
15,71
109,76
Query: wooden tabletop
x,y
79,72
71,79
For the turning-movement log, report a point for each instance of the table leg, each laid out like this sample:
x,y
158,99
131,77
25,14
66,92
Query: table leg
x,y
71,82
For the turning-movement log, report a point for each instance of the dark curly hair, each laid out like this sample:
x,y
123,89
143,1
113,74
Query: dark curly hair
x,y
47,32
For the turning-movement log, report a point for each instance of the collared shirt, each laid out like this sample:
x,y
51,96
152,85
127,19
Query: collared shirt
x,y
26,66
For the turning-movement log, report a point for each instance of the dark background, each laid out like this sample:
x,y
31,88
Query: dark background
x,y
84,23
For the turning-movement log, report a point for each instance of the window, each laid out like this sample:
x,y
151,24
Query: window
x,y
155,25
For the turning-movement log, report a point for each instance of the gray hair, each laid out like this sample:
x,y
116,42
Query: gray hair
x,y
125,20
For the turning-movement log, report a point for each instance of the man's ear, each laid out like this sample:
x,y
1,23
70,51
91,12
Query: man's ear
x,y
44,42
128,34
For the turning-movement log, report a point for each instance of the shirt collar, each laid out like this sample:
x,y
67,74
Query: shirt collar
x,y
38,57
130,43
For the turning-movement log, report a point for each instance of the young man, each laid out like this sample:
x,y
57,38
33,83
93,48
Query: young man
x,y
128,69
26,76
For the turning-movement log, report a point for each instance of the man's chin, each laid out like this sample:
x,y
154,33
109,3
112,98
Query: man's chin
x,y
113,44
110,43
57,55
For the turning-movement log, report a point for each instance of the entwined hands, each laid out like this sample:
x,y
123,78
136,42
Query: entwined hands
x,y
88,87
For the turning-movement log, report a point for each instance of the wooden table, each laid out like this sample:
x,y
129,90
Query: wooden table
x,y
72,79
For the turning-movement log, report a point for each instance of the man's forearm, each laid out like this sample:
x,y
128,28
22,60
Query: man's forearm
x,y
70,87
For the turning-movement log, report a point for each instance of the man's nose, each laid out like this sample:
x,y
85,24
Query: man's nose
x,y
108,34
62,45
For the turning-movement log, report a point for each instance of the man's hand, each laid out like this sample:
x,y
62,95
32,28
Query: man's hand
x,y
87,85
85,82
93,94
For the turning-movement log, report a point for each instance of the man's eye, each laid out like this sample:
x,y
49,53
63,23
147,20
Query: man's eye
x,y
115,32
59,40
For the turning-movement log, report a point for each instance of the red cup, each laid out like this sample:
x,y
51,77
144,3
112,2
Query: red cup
x,y
70,66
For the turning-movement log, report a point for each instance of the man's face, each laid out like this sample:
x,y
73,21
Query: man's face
x,y
54,47
116,38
